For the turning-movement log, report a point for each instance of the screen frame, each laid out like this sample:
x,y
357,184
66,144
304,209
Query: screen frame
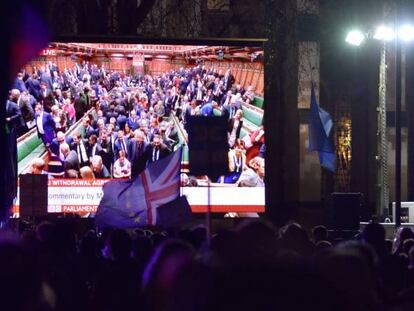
x,y
247,42
251,42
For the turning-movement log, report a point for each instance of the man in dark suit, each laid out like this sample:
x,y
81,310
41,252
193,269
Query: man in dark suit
x,y
111,113
110,142
33,86
58,140
82,103
156,150
136,153
133,120
68,157
86,130
93,147
230,110
100,116
46,126
18,83
14,119
26,107
121,143
44,96
106,151
46,78
225,100
100,127
122,119
80,146
170,135
228,80
99,170
168,102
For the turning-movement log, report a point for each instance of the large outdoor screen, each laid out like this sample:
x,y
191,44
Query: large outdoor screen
x,y
91,112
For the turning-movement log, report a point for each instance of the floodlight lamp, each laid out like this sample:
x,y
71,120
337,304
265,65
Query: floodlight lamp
x,y
406,33
355,37
384,33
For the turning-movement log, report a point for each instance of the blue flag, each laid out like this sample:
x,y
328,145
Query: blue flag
x,y
320,125
134,203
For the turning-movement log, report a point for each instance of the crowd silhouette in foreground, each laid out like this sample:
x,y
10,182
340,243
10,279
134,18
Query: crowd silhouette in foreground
x,y
250,266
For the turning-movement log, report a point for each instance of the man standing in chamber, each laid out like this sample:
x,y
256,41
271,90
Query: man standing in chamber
x,y
157,150
99,170
80,146
137,154
46,126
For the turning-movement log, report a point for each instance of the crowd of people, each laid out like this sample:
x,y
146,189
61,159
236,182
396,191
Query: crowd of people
x,y
131,122
251,265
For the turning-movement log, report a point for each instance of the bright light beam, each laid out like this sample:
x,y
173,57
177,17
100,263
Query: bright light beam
x,y
355,37
384,33
406,33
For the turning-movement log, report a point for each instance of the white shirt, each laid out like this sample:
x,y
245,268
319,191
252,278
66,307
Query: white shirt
x,y
39,123
82,156
155,154
121,170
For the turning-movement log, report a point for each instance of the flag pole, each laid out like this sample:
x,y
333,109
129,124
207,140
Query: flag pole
x,y
208,215
181,162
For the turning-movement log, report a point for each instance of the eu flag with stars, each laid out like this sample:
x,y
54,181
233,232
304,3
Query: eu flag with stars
x,y
134,203
320,125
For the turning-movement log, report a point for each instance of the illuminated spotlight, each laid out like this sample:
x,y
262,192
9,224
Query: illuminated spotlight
x,y
384,33
355,37
406,33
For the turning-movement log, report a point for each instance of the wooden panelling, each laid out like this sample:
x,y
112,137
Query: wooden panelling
x,y
120,65
245,73
249,78
260,85
256,76
242,80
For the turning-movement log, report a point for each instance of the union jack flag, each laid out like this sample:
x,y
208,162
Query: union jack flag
x,y
161,182
133,203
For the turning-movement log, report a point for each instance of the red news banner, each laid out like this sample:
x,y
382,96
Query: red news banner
x,y
74,195
84,195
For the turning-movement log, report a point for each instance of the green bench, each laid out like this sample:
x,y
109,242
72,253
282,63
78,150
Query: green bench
x,y
252,115
252,119
258,102
30,146
247,128
24,163
26,146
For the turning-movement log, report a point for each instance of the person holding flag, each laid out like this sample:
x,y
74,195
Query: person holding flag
x,y
135,202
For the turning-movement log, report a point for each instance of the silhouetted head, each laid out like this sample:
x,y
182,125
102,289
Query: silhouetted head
x,y
374,235
163,270
21,284
119,244
319,233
